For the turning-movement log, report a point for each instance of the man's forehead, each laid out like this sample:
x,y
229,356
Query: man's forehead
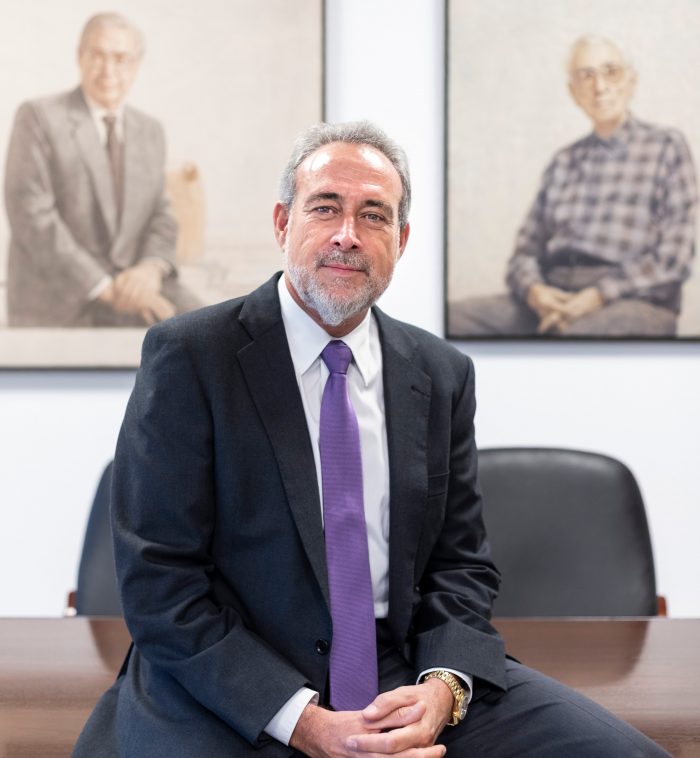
x,y
349,162
596,53
112,36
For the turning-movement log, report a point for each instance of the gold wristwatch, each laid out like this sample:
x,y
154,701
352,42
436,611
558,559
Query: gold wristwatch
x,y
459,709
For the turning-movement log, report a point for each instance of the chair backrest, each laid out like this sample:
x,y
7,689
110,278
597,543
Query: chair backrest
x,y
568,532
97,593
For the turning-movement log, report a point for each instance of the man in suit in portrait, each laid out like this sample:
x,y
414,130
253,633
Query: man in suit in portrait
x,y
92,233
295,454
610,238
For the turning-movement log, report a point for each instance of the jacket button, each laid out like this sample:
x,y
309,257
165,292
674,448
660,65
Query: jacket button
x,y
322,647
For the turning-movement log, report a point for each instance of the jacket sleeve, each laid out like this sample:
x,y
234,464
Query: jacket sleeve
x,y
459,583
160,228
674,216
163,521
33,212
523,268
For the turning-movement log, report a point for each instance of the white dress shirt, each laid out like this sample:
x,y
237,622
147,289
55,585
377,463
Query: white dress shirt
x,y
99,113
366,389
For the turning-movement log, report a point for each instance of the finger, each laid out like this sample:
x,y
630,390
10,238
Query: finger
x,y
387,702
161,307
549,322
434,751
556,303
580,307
559,293
127,305
391,743
561,296
401,716
148,317
130,300
126,295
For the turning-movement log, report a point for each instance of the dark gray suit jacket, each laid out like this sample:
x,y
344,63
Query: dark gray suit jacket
x,y
219,540
59,195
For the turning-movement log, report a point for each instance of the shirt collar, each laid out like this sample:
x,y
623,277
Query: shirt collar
x,y
620,138
98,113
307,339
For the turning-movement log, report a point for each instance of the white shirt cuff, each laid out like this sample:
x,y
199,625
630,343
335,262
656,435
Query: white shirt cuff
x,y
97,290
466,678
283,723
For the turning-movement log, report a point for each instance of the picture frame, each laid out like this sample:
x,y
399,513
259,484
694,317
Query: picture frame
x,y
232,84
509,111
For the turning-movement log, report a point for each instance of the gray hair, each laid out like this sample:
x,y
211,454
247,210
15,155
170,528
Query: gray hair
x,y
588,40
101,20
356,133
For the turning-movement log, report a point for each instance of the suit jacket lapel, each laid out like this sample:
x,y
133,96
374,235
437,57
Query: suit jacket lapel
x,y
407,392
269,373
94,156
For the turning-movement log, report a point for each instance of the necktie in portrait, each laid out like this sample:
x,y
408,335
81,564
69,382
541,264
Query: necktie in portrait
x,y
114,154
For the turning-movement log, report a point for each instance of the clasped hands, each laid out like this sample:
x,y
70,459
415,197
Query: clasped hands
x,y
557,308
402,722
136,290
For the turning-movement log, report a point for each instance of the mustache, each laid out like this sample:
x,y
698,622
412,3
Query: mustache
x,y
357,261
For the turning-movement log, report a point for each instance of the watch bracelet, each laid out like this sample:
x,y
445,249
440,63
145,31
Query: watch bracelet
x,y
456,688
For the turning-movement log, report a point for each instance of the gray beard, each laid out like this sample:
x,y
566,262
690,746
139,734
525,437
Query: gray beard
x,y
334,309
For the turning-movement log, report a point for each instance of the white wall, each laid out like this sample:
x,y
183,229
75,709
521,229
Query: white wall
x,y
637,402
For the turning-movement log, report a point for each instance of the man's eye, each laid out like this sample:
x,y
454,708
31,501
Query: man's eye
x,y
375,218
612,72
324,209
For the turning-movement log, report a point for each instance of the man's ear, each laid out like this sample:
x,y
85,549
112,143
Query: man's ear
x,y
280,218
572,92
403,238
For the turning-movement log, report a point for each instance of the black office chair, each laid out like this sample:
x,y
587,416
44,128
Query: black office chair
x,y
97,593
568,532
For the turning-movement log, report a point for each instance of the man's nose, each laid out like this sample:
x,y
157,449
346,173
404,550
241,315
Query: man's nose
x,y
109,65
345,236
599,82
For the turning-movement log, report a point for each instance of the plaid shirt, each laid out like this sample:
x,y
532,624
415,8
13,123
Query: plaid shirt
x,y
628,202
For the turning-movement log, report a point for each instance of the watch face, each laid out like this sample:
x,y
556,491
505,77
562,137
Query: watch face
x,y
462,709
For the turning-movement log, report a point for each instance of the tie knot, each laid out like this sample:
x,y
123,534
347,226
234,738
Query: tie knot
x,y
337,356
110,121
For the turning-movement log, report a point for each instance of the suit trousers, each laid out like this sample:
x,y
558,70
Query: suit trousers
x,y
504,315
537,717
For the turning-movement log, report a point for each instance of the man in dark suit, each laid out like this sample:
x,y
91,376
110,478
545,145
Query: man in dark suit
x,y
93,235
225,504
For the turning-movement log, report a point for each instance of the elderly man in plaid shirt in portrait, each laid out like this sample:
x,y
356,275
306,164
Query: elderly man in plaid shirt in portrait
x,y
610,237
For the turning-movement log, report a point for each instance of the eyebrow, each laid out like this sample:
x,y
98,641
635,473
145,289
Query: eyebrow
x,y
385,207
369,203
322,196
621,64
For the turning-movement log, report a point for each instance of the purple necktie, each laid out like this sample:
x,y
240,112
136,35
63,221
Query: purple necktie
x,y
353,661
